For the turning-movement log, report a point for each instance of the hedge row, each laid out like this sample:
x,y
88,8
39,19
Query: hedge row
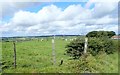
x,y
95,46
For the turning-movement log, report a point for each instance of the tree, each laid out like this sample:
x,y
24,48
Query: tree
x,y
98,34
111,33
91,34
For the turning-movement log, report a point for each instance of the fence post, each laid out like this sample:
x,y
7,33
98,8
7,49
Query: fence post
x,y
14,46
53,51
85,45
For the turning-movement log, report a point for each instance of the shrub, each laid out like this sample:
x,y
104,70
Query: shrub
x,y
75,48
95,46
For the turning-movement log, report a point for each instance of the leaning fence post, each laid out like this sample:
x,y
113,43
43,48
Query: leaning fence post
x,y
14,46
53,51
85,45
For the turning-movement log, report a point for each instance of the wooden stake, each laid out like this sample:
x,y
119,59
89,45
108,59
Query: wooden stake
x,y
53,51
85,46
14,46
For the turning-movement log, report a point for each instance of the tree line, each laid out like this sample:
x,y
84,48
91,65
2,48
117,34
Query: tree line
x,y
98,34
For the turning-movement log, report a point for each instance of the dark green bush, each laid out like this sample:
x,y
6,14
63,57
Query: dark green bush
x,y
95,46
75,48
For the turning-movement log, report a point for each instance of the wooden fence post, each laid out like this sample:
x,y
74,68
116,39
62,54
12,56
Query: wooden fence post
x,y
14,46
85,45
53,51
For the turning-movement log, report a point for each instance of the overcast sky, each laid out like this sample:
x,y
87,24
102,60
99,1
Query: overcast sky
x,y
46,18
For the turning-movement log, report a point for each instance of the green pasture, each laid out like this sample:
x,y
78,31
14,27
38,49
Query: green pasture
x,y
35,56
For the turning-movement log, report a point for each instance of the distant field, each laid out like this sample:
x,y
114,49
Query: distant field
x,y
36,57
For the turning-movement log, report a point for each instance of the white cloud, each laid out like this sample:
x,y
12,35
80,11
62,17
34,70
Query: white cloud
x,y
107,20
48,13
103,8
70,12
74,19
11,7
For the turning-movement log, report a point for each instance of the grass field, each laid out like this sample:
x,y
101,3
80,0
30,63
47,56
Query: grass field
x,y
36,57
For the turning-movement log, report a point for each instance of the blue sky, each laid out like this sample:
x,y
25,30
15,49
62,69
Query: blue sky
x,y
48,18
